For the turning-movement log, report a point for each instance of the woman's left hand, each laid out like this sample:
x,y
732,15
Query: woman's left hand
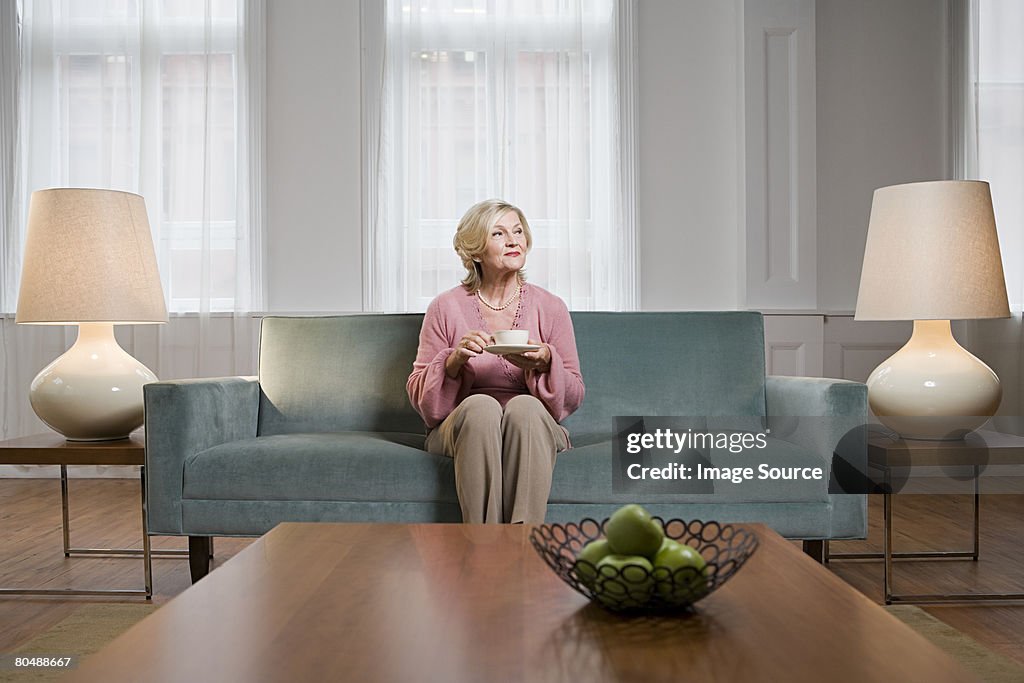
x,y
538,361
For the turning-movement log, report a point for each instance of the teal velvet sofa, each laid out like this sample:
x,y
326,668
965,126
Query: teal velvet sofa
x,y
326,431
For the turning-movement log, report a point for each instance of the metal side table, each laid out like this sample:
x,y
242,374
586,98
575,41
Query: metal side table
x,y
895,455
53,449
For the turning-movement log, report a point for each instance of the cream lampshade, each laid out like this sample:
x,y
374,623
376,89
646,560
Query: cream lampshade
x,y
932,255
89,261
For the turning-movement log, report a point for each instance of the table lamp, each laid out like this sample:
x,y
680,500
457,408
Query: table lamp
x,y
932,255
89,261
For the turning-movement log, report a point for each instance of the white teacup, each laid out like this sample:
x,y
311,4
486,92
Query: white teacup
x,y
511,337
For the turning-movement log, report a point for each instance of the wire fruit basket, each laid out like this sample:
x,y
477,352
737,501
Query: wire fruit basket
x,y
633,588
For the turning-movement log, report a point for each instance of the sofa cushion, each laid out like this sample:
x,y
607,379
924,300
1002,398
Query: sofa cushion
x,y
699,364
584,475
337,374
346,466
346,373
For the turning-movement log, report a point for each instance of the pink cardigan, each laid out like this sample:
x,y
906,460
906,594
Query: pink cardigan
x,y
454,313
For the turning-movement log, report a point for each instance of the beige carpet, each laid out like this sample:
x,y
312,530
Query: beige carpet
x,y
83,632
984,663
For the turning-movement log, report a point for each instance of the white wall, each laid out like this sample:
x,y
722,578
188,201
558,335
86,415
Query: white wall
x,y
780,111
881,120
881,102
690,118
314,239
689,111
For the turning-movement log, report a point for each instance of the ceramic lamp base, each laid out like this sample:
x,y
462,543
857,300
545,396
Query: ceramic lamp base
x,y
94,391
933,388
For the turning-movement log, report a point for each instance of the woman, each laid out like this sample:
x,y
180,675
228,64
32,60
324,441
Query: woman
x,y
497,416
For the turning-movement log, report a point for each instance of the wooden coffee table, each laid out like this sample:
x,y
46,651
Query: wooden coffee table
x,y
449,602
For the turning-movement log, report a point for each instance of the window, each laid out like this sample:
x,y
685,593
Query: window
x,y
149,96
517,100
999,107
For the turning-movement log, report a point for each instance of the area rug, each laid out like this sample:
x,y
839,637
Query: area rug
x,y
83,632
987,665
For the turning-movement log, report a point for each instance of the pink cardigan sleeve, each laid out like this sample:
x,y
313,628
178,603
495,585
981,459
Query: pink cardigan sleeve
x,y
432,392
561,388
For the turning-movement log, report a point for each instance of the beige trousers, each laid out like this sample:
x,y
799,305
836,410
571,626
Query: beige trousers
x,y
503,458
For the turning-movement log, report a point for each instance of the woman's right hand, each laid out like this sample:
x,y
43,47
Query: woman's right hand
x,y
470,346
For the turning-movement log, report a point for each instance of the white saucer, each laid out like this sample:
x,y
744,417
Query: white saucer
x,y
505,349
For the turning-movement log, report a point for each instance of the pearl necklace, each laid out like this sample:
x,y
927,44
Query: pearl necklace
x,y
519,288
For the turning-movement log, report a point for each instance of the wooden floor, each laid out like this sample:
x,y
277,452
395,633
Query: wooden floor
x,y
930,522
105,512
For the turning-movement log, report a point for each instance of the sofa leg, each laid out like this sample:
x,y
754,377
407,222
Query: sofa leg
x,y
816,549
200,552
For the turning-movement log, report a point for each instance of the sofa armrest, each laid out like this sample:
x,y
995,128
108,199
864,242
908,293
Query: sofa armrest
x,y
840,405
184,417
816,396
826,416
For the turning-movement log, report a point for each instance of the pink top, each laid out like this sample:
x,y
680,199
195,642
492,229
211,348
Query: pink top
x,y
452,314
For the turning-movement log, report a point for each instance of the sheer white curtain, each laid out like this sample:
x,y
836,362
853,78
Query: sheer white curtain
x,y
158,97
992,145
994,130
523,100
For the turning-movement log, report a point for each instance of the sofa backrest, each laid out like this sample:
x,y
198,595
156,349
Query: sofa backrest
x,y
686,364
337,373
348,373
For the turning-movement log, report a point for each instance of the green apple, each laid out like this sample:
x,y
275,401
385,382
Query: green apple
x,y
667,543
687,580
631,531
624,580
586,561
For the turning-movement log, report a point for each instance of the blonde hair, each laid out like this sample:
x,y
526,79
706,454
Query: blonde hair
x,y
473,233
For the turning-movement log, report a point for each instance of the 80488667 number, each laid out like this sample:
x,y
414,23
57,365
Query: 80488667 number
x,y
42,662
